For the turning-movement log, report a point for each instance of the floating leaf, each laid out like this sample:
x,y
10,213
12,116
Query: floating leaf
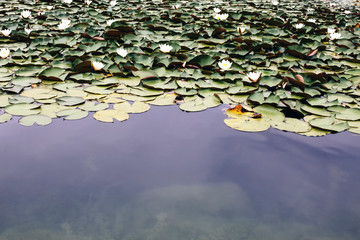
x,y
38,119
22,109
72,114
248,124
5,117
70,101
109,115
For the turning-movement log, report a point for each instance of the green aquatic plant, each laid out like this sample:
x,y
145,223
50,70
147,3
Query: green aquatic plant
x,y
300,60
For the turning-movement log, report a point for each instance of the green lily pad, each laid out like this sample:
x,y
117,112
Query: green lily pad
x,y
248,124
109,115
72,114
23,109
38,119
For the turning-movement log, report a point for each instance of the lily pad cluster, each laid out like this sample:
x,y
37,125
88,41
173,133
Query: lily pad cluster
x,y
69,58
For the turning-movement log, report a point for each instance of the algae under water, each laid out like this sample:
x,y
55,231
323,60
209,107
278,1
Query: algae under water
x,y
186,176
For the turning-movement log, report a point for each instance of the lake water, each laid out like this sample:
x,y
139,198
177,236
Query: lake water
x,y
170,175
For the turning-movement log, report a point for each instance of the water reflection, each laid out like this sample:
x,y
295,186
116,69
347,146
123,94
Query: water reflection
x,y
170,175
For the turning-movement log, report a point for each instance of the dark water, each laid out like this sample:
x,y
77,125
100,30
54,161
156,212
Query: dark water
x,y
169,175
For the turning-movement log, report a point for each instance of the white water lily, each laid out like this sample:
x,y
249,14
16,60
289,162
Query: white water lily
x,y
254,76
65,23
25,14
6,32
97,65
67,1
217,10
331,30
299,25
177,6
109,22
241,29
113,3
335,35
27,30
165,48
88,2
122,52
275,3
49,7
223,16
347,12
312,20
225,64
4,53
41,13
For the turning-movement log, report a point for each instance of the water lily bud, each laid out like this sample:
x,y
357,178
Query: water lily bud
x,y
165,48
177,6
241,29
254,76
97,65
6,32
225,64
87,2
122,52
49,7
4,53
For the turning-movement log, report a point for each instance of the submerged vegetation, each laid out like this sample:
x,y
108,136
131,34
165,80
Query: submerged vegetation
x,y
289,65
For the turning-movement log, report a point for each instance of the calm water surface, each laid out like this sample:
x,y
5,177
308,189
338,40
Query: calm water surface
x,y
169,175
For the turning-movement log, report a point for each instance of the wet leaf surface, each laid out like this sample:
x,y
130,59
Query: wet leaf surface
x,y
304,70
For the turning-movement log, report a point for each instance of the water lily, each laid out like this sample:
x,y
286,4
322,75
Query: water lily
x,y
49,7
4,53
347,12
335,35
97,65
113,3
122,52
109,22
312,20
67,1
27,30
275,3
6,32
165,48
65,23
25,14
88,2
217,10
223,16
254,76
177,6
299,25
331,30
241,29
225,65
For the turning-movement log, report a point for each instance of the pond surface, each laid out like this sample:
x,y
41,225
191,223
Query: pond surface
x,y
169,175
